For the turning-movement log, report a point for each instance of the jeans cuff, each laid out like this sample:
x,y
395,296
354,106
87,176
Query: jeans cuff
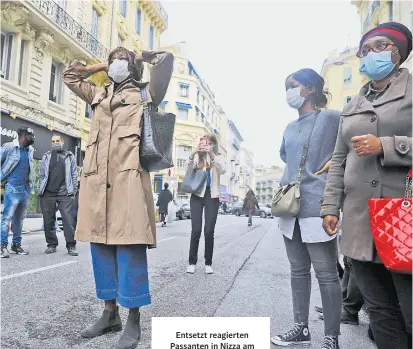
x,y
134,302
106,295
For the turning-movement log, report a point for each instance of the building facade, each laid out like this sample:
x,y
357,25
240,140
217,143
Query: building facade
x,y
246,171
341,69
267,180
39,39
234,141
193,102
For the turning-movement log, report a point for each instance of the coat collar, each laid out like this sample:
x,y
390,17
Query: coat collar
x,y
396,90
16,144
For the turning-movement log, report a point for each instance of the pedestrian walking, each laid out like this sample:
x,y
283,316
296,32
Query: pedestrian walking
x,y
372,158
224,207
207,158
120,220
18,172
165,197
57,188
305,240
250,202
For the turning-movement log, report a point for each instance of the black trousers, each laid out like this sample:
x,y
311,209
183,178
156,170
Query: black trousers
x,y
65,204
163,216
388,298
211,207
353,300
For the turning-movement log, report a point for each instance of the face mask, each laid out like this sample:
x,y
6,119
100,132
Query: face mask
x,y
294,98
57,146
212,147
118,70
377,65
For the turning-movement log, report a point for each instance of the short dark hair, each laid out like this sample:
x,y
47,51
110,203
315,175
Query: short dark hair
x,y
23,130
166,185
58,135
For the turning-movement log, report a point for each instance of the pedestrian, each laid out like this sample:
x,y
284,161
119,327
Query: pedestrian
x,y
165,197
116,206
250,202
224,207
18,172
372,158
57,188
207,158
305,240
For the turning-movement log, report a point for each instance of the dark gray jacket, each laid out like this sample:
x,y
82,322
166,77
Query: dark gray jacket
x,y
70,173
353,179
165,197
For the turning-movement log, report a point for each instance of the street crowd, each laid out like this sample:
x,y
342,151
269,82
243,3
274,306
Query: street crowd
x,y
335,160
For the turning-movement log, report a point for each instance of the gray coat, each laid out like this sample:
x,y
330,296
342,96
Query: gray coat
x,y
353,179
70,173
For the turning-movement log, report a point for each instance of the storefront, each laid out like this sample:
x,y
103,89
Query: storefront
x,y
8,132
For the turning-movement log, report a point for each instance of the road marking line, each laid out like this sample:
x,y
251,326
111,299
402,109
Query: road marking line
x,y
11,276
167,239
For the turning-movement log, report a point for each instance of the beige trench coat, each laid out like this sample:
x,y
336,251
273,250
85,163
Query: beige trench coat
x,y
115,201
353,179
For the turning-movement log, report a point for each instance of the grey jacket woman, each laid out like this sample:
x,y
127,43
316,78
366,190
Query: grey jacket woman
x,y
353,179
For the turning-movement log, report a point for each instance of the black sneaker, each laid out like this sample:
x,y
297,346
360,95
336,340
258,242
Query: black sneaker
x,y
72,251
346,318
330,342
299,335
17,249
50,250
4,252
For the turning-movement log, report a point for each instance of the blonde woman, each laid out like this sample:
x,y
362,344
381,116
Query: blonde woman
x,y
208,159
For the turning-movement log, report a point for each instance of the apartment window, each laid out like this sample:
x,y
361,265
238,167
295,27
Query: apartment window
x,y
6,46
151,37
182,114
182,155
88,112
122,9
347,75
181,68
95,23
184,89
22,61
56,83
138,21
203,103
197,96
347,99
198,116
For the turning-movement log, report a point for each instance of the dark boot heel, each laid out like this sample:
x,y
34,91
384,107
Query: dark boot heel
x,y
132,333
109,322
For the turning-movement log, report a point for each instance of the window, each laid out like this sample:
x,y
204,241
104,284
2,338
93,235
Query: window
x,y
197,96
151,37
22,62
122,9
182,114
184,90
347,99
198,116
181,163
6,46
157,184
62,3
88,112
182,155
95,23
56,83
347,75
138,21
203,103
119,41
181,68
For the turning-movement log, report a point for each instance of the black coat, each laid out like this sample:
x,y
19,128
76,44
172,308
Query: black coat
x,y
165,197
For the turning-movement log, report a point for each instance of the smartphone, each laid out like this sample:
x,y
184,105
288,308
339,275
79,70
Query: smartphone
x,y
204,141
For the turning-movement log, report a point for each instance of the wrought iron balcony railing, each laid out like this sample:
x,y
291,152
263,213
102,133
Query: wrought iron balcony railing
x,y
70,26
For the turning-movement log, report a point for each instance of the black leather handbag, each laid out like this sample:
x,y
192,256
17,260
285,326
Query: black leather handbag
x,y
157,133
194,181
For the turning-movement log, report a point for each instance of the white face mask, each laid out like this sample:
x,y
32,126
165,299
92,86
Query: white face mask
x,y
118,70
294,98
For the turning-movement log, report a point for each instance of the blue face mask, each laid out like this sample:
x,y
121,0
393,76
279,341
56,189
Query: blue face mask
x,y
212,148
377,65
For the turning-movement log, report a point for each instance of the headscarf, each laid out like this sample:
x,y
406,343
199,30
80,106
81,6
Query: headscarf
x,y
396,32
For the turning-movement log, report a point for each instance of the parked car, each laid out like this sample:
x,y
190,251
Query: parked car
x,y
263,212
183,209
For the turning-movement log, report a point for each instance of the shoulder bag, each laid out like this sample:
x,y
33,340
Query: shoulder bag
x,y
194,181
286,201
157,132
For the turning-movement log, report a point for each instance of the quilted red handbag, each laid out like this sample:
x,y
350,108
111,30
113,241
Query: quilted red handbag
x,y
391,227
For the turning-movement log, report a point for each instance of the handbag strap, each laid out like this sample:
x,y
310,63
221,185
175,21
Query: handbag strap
x,y
305,152
408,191
146,106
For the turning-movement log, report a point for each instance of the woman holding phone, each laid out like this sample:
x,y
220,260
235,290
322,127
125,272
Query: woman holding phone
x,y
207,158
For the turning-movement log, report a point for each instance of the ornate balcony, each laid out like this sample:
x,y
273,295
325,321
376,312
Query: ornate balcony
x,y
60,17
162,11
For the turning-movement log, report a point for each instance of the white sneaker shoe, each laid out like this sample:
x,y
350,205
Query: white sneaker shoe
x,y
208,269
191,269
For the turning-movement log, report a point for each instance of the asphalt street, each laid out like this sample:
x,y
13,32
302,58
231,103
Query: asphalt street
x,y
48,299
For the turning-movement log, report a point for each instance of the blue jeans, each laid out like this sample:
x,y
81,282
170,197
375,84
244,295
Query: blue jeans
x,y
16,201
121,273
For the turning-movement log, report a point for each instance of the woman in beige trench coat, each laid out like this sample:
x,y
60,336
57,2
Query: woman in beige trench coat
x,y
116,209
371,159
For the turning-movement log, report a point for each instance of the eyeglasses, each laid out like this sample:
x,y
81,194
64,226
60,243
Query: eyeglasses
x,y
378,46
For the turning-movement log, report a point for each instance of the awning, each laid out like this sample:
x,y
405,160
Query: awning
x,y
183,105
184,84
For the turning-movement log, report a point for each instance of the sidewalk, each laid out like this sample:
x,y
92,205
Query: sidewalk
x,y
31,225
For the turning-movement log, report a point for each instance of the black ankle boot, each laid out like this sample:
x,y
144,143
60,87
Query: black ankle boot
x,y
132,333
109,322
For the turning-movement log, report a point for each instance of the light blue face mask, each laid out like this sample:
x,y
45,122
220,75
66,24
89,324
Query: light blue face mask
x,y
377,65
212,147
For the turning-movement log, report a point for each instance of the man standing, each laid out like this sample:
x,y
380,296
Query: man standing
x,y
57,188
165,197
17,171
